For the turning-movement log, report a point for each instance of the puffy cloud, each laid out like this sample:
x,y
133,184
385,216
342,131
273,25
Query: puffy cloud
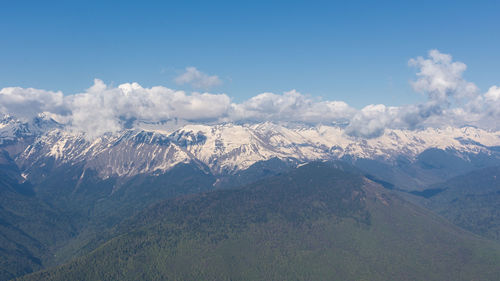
x,y
484,110
28,103
440,77
371,121
198,79
452,101
102,108
493,94
291,106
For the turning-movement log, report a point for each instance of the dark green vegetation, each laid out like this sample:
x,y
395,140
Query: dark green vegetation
x,y
97,205
258,170
471,201
322,221
431,167
65,212
27,225
318,222
57,216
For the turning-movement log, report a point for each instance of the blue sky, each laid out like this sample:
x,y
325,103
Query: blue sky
x,y
354,51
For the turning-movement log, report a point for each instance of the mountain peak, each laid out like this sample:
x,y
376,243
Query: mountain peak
x,y
229,147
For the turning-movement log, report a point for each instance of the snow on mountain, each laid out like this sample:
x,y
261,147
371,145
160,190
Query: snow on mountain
x,y
226,148
12,129
125,154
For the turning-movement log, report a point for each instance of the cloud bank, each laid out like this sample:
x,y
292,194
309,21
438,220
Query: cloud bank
x,y
451,101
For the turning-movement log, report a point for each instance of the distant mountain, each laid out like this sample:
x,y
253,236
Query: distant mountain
x,y
415,158
471,201
432,166
13,130
321,221
79,188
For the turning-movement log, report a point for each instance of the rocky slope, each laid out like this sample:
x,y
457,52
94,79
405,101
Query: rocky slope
x,y
225,148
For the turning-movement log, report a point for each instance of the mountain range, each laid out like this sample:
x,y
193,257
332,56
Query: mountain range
x,y
71,201
321,221
227,148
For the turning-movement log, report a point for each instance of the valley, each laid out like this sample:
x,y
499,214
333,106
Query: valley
x,y
191,200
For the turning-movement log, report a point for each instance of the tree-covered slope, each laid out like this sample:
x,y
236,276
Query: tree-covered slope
x,y
432,166
56,216
95,205
27,225
321,221
471,201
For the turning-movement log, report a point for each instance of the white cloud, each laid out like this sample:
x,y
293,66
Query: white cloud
x,y
484,110
27,103
198,79
452,101
371,121
291,106
493,94
102,108
440,77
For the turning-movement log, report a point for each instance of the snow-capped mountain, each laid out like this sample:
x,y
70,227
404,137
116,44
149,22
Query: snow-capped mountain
x,y
224,148
13,130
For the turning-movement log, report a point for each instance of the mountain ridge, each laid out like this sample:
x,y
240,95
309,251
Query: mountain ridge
x,y
315,222
228,148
